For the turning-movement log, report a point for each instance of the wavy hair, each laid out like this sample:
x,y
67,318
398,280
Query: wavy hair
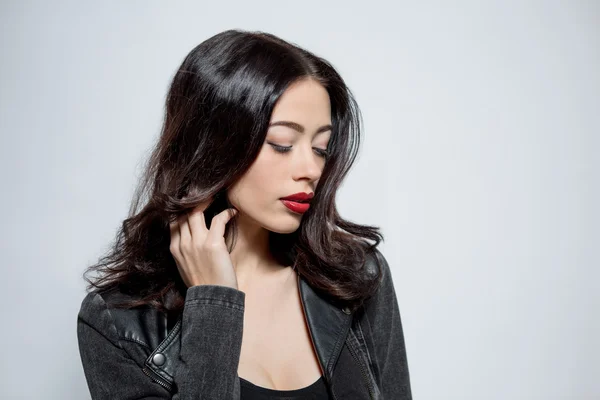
x,y
217,112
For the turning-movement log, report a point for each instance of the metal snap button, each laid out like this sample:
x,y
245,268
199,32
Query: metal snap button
x,y
346,310
159,359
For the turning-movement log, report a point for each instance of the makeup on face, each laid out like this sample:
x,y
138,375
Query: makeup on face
x,y
296,207
298,202
299,129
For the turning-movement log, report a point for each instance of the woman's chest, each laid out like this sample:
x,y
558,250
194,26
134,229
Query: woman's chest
x,y
277,351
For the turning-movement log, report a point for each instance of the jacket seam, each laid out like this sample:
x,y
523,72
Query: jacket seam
x,y
215,302
339,342
354,336
135,341
356,353
362,337
111,321
116,344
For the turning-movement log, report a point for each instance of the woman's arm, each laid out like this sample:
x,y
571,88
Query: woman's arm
x,y
382,321
210,349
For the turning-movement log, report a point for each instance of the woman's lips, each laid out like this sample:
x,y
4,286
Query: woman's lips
x,y
296,206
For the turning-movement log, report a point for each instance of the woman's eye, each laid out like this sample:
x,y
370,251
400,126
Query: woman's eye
x,y
284,149
281,149
322,153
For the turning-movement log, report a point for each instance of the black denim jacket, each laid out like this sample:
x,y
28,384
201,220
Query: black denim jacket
x,y
140,354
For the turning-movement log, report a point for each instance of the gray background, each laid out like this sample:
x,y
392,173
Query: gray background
x,y
480,164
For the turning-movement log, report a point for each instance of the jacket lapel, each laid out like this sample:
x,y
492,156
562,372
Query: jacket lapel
x,y
327,324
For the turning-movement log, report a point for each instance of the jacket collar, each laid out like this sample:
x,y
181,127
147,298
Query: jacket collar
x,y
328,327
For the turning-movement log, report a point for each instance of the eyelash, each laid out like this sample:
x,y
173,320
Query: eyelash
x,y
284,149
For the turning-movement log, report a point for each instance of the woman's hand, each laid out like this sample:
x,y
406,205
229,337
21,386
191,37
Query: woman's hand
x,y
201,254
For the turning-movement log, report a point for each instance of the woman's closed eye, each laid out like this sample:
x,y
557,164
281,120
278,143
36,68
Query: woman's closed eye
x,y
284,149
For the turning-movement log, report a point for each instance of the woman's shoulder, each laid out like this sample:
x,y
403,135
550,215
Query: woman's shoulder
x,y
143,325
376,265
97,303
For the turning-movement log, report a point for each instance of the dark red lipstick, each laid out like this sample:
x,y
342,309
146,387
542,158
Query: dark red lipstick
x,y
298,202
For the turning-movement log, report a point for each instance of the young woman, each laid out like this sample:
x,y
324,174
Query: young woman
x,y
234,276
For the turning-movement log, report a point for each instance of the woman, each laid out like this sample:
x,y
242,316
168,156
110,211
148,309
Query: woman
x,y
234,276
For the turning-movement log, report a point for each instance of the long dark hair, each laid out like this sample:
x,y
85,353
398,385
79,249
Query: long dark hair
x,y
217,112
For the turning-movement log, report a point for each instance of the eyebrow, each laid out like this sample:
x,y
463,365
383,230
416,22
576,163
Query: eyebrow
x,y
297,127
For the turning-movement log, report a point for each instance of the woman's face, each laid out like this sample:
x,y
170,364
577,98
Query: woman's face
x,y
290,160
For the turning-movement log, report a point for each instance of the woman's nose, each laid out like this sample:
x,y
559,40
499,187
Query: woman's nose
x,y
308,166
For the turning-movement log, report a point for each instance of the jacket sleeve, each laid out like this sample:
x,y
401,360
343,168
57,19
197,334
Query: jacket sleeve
x,y
211,339
382,322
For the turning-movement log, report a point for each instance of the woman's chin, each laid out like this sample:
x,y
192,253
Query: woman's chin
x,y
286,224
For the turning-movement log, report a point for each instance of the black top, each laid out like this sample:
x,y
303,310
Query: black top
x,y
316,391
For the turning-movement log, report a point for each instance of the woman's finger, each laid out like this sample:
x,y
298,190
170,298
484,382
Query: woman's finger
x,y
217,225
184,232
197,223
175,238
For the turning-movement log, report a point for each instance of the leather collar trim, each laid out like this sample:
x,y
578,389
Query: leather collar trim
x,y
328,326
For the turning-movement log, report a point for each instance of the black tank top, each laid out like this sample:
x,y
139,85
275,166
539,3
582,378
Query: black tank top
x,y
316,391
